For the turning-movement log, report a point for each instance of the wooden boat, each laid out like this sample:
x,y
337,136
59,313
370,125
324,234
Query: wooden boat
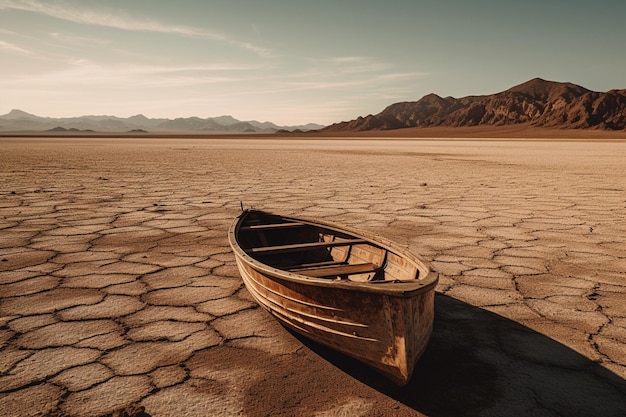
x,y
351,291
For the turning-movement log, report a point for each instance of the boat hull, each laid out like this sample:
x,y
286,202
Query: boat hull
x,y
384,325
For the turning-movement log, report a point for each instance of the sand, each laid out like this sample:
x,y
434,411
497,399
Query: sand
x,y
118,287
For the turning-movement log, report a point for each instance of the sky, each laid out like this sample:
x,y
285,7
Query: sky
x,y
294,61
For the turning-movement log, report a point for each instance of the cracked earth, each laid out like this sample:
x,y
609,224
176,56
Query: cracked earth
x,y
118,288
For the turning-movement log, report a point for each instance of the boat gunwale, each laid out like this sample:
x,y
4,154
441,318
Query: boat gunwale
x,y
392,288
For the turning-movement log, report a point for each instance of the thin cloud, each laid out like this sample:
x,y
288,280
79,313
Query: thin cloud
x,y
348,59
103,18
10,47
78,40
402,75
343,72
82,72
108,19
350,64
324,85
204,68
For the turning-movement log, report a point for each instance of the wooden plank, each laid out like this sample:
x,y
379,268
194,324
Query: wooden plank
x,y
330,271
303,246
271,226
309,265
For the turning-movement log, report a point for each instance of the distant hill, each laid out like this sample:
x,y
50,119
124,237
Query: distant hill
x,y
20,121
537,103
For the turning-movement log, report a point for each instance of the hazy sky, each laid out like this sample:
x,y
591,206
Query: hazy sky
x,y
292,61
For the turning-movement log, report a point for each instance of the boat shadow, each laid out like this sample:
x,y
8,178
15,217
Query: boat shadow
x,y
480,363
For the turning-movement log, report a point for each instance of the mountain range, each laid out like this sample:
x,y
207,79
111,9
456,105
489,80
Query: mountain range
x,y
536,103
19,121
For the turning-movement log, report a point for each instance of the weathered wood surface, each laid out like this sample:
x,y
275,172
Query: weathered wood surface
x,y
271,226
378,325
329,271
303,246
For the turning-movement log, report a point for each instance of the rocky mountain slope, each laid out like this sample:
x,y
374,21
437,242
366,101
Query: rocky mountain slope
x,y
537,103
17,121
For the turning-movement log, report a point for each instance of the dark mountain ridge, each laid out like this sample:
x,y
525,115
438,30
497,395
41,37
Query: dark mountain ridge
x,y
538,103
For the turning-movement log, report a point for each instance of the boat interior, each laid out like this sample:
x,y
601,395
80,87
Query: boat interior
x,y
313,250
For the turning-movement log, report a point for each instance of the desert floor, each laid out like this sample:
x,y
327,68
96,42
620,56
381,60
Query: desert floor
x,y
118,287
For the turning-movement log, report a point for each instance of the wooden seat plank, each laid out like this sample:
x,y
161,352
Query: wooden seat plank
x,y
330,271
271,226
308,265
303,246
